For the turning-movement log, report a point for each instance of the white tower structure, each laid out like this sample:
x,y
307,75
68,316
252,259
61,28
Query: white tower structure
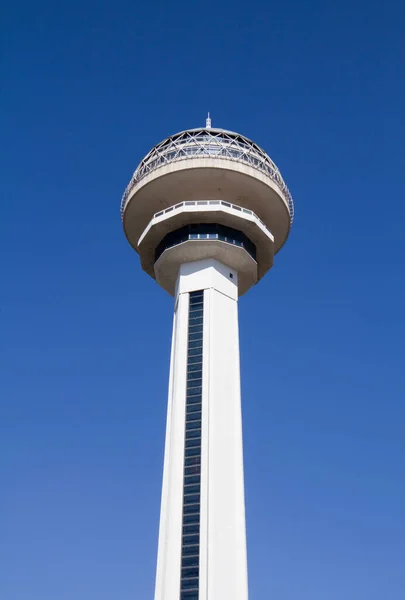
x,y
206,210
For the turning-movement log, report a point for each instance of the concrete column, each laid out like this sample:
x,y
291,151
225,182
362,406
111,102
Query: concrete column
x,y
222,549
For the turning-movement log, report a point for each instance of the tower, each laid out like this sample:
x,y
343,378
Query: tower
x,y
206,210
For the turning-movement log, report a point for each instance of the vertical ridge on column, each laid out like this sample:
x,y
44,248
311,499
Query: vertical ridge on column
x,y
190,549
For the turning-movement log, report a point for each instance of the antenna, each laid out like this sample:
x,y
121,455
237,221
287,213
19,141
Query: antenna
x,y
208,122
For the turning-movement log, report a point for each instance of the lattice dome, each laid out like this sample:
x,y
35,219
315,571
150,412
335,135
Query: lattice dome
x,y
207,142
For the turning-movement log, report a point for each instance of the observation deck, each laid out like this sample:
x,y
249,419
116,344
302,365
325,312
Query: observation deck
x,y
200,167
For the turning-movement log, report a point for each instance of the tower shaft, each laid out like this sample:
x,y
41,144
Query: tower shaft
x,y
202,537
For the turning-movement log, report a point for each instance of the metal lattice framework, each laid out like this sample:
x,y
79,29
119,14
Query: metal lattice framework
x,y
214,143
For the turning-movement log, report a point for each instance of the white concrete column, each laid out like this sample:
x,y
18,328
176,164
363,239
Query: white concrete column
x,y
170,529
222,551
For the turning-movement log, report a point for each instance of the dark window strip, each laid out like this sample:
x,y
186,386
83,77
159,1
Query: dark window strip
x,y
193,488
194,433
190,540
194,352
192,479
192,451
197,298
194,408
193,360
195,390
196,321
192,469
194,375
193,443
191,509
189,595
194,366
192,384
192,519
205,231
189,584
190,561
189,572
190,551
193,337
188,529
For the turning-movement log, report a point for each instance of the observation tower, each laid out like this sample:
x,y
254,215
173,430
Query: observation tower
x,y
206,210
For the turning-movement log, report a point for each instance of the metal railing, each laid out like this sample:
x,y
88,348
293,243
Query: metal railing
x,y
210,203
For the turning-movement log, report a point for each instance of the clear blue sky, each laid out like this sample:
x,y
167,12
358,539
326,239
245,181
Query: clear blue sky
x,y
87,89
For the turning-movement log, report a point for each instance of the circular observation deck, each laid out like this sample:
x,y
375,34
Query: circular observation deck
x,y
207,163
